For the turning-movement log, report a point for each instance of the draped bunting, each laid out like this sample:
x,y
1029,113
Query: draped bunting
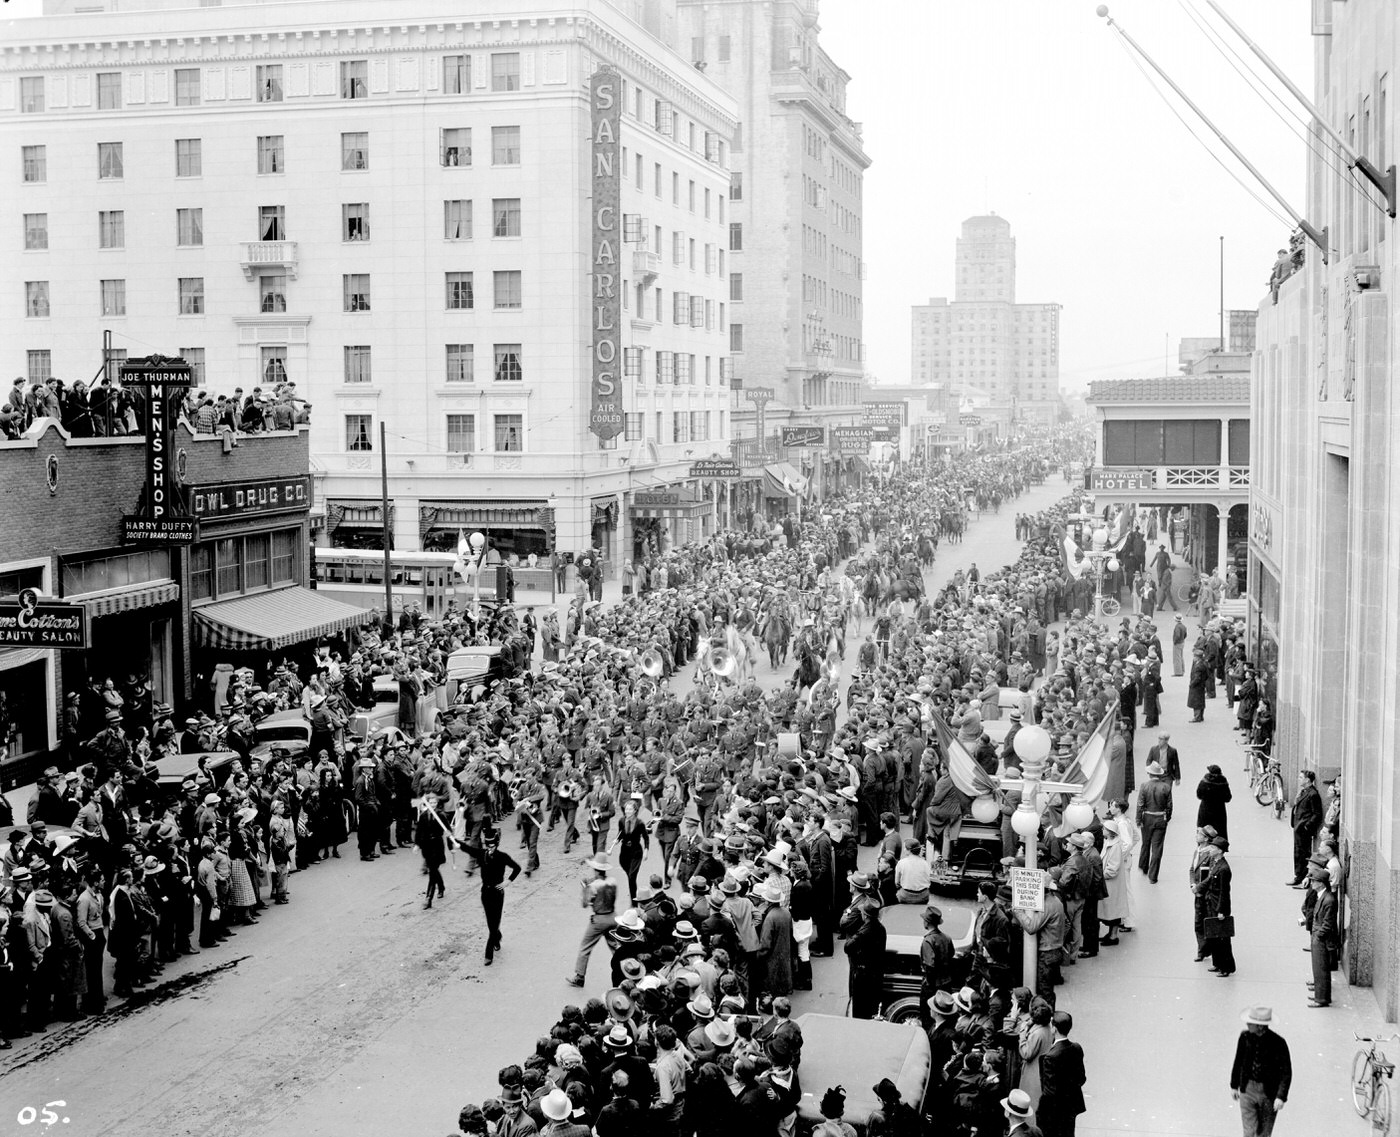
x,y
967,775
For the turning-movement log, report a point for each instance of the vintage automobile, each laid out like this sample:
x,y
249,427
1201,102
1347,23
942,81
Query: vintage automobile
x,y
384,715
904,936
858,1054
285,730
474,669
174,769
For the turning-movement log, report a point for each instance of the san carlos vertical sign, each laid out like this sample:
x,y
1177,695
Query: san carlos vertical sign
x,y
605,407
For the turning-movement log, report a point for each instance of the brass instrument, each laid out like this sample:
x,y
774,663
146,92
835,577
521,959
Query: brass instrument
x,y
651,664
722,662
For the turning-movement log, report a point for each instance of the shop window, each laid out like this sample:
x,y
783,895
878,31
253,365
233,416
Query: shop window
x,y
284,556
121,571
228,569
256,556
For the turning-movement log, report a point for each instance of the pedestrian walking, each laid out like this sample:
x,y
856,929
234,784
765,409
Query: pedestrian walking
x,y
1261,1073
1217,913
1062,1079
600,898
1179,646
494,867
1154,814
1213,793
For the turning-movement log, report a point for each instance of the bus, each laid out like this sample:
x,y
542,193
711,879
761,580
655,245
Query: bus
x,y
356,576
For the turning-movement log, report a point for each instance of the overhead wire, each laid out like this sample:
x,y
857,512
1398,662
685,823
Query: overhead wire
x,y
1269,98
1287,222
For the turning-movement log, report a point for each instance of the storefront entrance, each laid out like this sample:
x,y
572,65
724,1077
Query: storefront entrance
x,y
24,708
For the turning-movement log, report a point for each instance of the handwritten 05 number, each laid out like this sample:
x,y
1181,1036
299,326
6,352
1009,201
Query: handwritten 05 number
x,y
45,1116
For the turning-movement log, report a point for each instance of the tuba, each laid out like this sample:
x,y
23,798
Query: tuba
x,y
651,664
722,662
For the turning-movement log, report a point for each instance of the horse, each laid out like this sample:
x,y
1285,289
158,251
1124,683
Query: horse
x,y
809,665
926,550
776,632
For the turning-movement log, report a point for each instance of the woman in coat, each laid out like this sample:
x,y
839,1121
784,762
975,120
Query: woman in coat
x,y
1214,892
1036,1037
1196,691
1214,792
1246,701
1113,909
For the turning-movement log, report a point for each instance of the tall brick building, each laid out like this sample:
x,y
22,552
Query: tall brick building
x,y
236,596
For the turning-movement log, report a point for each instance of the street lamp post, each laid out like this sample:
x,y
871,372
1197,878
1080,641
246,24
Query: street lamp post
x,y
478,544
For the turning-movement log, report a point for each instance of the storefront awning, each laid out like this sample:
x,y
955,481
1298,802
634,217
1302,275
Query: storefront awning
x,y
685,503
19,656
269,621
782,480
128,599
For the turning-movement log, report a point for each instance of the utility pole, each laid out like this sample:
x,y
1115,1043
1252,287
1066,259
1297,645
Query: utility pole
x,y
385,535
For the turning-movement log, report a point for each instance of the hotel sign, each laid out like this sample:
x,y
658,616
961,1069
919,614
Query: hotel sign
x,y
251,498
1110,479
605,407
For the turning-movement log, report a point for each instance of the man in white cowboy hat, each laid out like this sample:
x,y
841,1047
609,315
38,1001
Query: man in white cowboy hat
x,y
1262,1072
556,1108
600,898
1154,813
775,863
1019,1115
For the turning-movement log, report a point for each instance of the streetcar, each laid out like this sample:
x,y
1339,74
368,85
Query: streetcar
x,y
429,580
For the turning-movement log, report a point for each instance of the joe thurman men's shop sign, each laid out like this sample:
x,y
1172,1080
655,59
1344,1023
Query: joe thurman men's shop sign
x,y
605,410
162,518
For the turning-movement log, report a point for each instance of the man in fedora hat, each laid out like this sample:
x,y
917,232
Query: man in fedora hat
x,y
1262,1072
935,960
557,1109
600,898
865,952
1154,813
772,968
1019,1115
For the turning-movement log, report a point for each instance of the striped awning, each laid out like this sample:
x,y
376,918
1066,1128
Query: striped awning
x,y
112,600
17,657
269,621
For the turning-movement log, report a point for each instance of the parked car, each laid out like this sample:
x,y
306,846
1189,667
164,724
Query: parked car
x,y
858,1054
285,730
69,850
473,668
174,769
904,937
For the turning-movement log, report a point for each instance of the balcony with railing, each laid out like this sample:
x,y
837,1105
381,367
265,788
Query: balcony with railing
x,y
269,256
646,265
749,452
1170,478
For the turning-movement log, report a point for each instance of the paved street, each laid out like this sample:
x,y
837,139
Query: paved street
x,y
354,1011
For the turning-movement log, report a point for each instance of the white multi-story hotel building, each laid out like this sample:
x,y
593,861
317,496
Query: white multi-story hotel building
x,y
390,207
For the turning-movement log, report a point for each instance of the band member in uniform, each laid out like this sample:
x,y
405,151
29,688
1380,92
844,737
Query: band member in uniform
x,y
494,865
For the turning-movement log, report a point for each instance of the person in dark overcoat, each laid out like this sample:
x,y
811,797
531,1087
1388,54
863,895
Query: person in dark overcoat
x,y
1213,792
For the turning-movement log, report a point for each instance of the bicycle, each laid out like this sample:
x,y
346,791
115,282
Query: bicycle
x,y
1268,789
1256,758
1369,1092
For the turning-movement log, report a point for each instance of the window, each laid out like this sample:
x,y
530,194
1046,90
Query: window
x,y
255,560
505,212
461,364
457,220
459,291
270,157
722,54
357,368
274,365
109,91
114,298
355,291
665,366
191,295
270,83
684,373
273,291
736,236
736,337
1239,439
632,426
284,555
508,367
272,222
461,434
456,74
680,426
40,365
228,566
189,158
189,226
1158,442
505,71
359,432
36,230
354,150
680,308
187,86
656,178
36,298
510,431
354,221
354,79
194,356
505,146
36,163
697,311
736,286
675,189
202,572
31,94
109,159
507,288
697,426
456,147
690,198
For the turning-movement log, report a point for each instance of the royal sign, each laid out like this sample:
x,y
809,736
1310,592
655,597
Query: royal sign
x,y
759,395
605,410
251,498
804,436
28,621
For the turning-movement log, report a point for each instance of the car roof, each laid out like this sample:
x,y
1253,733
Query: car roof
x,y
904,923
175,768
858,1054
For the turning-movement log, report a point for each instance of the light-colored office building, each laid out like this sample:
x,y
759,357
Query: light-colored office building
x,y
391,207
984,340
795,228
1324,573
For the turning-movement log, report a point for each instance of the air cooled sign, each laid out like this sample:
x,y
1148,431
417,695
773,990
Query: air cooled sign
x,y
605,411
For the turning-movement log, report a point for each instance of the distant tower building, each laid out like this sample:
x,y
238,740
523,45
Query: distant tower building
x,y
984,346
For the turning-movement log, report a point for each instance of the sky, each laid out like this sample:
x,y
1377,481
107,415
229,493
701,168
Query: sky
x,y
1031,109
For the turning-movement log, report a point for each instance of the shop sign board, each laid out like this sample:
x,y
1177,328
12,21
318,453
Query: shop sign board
x,y
1112,479
164,378
28,620
715,468
760,396
660,497
804,436
605,97
159,531
885,412
1027,890
251,498
852,439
